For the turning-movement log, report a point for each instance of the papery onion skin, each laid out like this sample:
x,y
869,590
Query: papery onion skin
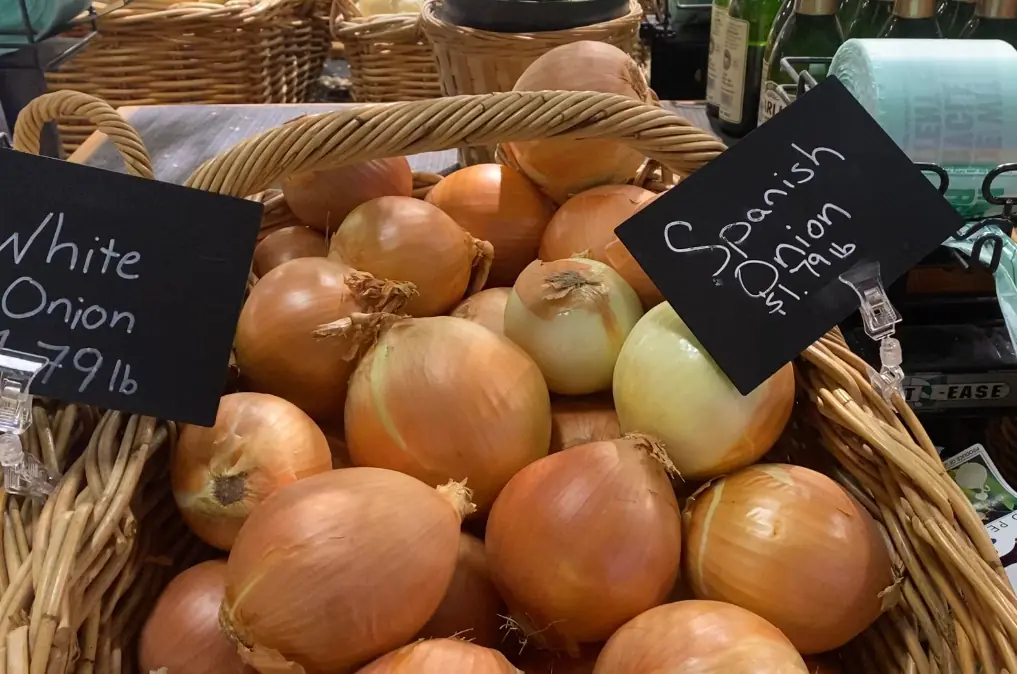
x,y
322,199
442,398
319,575
584,540
182,632
259,443
790,545
699,637
288,243
578,421
472,609
486,308
536,661
499,204
441,656
572,317
666,385
586,222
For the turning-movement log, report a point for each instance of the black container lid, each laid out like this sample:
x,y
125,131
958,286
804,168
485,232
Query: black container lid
x,y
530,16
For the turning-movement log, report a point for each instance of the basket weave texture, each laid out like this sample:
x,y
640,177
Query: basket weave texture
x,y
79,572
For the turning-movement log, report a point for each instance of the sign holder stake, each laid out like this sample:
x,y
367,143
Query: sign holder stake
x,y
23,473
879,318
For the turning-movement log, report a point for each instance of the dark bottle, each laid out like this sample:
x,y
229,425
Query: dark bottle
x,y
953,15
813,31
786,11
870,18
913,19
748,27
715,64
994,20
846,12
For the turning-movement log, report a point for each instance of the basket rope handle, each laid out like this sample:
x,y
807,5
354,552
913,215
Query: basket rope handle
x,y
52,106
398,129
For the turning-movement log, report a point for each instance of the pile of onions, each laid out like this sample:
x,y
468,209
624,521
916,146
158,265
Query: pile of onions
x,y
790,545
498,204
277,350
562,168
486,308
182,632
578,421
472,608
441,656
537,661
699,637
259,443
340,568
666,385
322,199
288,243
406,239
442,398
572,316
584,540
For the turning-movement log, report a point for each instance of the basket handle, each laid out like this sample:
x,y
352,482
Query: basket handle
x,y
344,10
397,129
52,106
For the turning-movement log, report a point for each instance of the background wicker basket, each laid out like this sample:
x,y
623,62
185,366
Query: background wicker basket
x,y
79,572
242,51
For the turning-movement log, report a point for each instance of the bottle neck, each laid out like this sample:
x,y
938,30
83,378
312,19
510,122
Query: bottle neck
x,y
914,9
997,9
816,7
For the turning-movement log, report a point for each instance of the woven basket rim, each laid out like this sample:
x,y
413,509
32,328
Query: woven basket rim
x,y
139,13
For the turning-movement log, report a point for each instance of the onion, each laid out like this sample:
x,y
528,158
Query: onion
x,y
581,421
666,385
486,308
441,656
536,661
572,317
323,199
259,443
339,568
827,664
410,240
288,243
790,545
585,224
699,637
472,608
442,398
565,167
621,260
498,204
277,351
182,632
584,540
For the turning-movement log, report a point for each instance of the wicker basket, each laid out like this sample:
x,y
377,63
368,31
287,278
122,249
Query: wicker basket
x,y
243,51
389,57
79,572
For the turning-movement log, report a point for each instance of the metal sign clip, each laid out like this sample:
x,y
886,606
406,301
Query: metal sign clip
x,y
880,318
23,473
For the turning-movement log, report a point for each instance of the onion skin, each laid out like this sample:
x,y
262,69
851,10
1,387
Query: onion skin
x,y
323,199
472,608
586,222
442,398
317,578
584,540
498,204
486,308
536,661
790,545
578,421
288,243
699,637
182,632
441,656
666,385
259,443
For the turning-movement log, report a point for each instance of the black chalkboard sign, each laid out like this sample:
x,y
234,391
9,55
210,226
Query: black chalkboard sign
x,y
749,249
130,287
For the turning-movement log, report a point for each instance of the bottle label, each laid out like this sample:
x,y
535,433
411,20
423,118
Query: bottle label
x,y
770,102
732,82
715,65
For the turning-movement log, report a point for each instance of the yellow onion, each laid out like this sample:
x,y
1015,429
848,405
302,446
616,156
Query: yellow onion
x,y
472,609
537,661
666,385
790,545
339,568
259,443
406,239
578,421
182,635
562,168
498,204
585,224
584,540
486,308
322,199
621,260
277,350
442,398
288,243
572,317
441,656
699,637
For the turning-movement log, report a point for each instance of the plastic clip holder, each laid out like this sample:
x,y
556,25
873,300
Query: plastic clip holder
x,y
880,318
23,473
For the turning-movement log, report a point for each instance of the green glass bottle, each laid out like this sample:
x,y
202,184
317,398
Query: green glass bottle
x,y
715,64
813,31
953,15
870,18
748,27
994,20
846,12
913,19
786,11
